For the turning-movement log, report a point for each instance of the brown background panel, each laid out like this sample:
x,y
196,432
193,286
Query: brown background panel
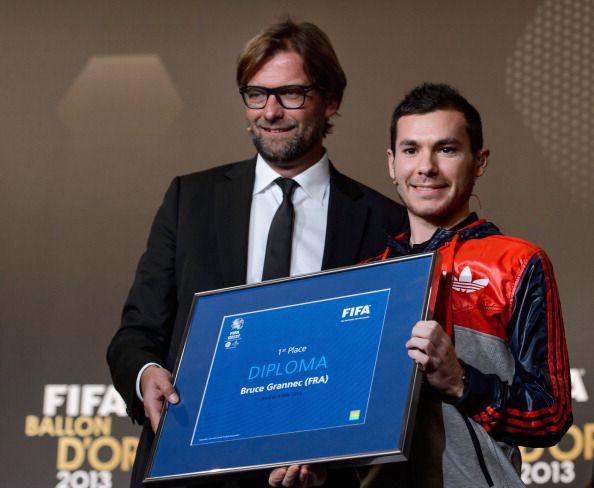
x,y
80,181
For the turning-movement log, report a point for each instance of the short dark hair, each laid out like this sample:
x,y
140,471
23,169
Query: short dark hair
x,y
320,62
430,97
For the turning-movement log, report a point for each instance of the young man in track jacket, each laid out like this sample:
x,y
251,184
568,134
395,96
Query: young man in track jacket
x,y
496,370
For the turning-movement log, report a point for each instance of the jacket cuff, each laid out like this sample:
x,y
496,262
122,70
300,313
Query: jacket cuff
x,y
480,391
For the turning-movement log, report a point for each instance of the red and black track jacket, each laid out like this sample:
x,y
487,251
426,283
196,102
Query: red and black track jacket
x,y
503,288
500,305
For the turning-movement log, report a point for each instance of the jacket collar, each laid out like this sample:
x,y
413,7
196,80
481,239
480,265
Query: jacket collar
x,y
470,228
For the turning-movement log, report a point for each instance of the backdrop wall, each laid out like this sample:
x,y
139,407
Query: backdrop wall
x,y
103,102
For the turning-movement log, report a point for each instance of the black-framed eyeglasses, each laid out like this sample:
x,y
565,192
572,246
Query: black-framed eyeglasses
x,y
289,96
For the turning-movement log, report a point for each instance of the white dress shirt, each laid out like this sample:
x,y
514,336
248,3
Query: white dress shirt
x,y
310,202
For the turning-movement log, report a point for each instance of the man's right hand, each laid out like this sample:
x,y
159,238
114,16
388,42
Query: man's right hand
x,y
298,476
156,388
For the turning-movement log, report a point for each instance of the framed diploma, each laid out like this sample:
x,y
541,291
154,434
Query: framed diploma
x,y
297,370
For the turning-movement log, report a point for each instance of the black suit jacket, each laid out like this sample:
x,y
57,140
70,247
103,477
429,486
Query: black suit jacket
x,y
198,241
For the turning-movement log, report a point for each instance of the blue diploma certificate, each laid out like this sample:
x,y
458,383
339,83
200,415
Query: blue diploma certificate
x,y
293,366
307,369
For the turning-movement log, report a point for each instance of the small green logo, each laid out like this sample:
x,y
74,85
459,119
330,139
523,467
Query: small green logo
x,y
354,414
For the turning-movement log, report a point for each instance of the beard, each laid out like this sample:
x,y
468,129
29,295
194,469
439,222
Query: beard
x,y
285,153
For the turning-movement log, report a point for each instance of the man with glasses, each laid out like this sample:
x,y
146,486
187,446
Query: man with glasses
x,y
287,211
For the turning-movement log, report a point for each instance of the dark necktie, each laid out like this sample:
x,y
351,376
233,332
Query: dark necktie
x,y
277,262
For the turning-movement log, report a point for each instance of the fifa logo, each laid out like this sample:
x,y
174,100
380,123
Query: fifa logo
x,y
356,311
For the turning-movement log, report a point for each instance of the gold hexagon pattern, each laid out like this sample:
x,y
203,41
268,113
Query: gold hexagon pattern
x,y
550,77
120,96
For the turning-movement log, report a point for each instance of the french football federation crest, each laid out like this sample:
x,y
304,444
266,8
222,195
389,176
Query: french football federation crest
x,y
466,284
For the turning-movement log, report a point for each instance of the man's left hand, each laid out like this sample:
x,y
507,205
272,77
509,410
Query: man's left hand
x,y
434,352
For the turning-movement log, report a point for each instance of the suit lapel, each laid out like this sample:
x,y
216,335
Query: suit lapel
x,y
233,199
347,216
